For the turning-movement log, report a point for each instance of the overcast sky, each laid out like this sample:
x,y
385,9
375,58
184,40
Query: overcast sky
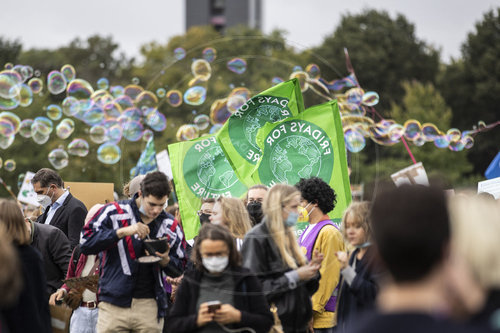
x,y
53,23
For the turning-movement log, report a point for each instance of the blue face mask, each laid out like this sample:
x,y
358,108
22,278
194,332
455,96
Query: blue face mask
x,y
292,219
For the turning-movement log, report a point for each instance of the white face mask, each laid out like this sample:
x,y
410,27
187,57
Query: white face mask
x,y
305,208
44,200
215,264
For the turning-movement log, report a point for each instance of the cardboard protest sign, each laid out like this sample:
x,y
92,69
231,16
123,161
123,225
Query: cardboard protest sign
x,y
91,193
414,174
26,193
491,186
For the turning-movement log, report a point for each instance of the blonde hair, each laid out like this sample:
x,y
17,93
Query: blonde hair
x,y
360,212
13,220
475,225
235,216
278,197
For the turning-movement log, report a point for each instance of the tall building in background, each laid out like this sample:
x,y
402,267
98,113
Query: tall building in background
x,y
222,14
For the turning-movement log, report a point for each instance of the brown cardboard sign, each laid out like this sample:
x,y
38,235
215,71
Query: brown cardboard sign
x,y
91,193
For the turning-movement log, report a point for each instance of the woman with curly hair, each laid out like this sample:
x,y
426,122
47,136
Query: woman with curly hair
x,y
272,252
322,235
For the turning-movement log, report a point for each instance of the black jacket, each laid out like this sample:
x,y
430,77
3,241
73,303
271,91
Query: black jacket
x,y
262,257
360,295
69,218
56,252
249,300
30,313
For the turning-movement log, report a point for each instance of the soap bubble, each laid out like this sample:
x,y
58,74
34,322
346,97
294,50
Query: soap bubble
x,y
412,129
25,128
78,147
79,89
58,158
187,132
201,69
179,53
6,141
103,83
156,120
108,153
65,128
235,102
430,132
456,145
9,165
54,112
209,54
133,90
354,141
370,98
195,95
201,121
40,138
98,134
25,96
303,79
56,82
313,71
160,92
36,85
441,141
237,65
10,84
69,72
148,134
219,112
13,119
132,131
42,125
174,98
146,99
453,134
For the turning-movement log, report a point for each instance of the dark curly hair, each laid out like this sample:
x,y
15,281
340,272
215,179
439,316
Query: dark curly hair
x,y
317,191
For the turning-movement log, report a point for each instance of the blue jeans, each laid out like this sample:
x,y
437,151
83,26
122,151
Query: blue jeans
x,y
83,320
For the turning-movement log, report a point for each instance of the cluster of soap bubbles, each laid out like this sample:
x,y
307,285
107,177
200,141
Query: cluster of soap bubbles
x,y
114,113
355,103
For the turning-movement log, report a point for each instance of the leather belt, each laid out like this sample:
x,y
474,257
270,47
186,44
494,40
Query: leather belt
x,y
90,305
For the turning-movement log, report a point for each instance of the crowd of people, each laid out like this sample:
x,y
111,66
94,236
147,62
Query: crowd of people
x,y
414,259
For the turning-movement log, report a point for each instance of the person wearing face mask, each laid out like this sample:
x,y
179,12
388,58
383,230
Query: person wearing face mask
x,y
322,235
206,209
271,251
218,276
255,197
132,295
359,285
62,210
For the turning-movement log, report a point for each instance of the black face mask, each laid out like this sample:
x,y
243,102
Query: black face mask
x,y
204,218
255,210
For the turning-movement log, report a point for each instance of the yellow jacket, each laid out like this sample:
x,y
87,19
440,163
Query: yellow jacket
x,y
328,242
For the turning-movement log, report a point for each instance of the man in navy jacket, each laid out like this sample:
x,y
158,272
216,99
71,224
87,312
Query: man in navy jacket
x,y
131,294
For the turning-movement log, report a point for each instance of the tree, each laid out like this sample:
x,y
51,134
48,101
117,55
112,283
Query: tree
x,y
471,86
9,50
383,51
424,103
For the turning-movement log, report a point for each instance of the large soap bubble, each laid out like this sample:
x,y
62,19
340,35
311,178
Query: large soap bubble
x,y
109,153
58,158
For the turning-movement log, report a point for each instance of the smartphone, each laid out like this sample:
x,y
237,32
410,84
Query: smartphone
x,y
213,306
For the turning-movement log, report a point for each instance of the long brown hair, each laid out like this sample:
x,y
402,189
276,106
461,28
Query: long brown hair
x,y
235,216
278,197
13,220
215,232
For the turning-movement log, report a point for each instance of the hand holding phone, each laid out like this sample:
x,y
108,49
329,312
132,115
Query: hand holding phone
x,y
213,306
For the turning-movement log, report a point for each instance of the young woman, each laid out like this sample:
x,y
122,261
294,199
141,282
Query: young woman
x,y
30,313
271,250
218,276
231,212
358,286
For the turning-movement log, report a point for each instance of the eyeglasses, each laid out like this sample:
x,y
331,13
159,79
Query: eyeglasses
x,y
206,211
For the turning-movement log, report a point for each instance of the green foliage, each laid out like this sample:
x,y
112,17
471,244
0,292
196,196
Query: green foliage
x,y
383,51
9,50
471,86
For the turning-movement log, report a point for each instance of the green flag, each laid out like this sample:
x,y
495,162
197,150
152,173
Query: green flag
x,y
310,144
200,170
237,136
